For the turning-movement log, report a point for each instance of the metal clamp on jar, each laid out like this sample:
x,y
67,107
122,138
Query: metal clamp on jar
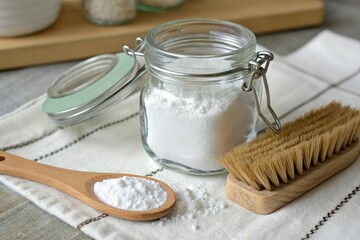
x,y
201,97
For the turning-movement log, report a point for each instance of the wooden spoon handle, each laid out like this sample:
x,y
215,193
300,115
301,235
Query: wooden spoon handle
x,y
80,185
58,178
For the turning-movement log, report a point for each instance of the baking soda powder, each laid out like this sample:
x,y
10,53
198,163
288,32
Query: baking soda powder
x,y
195,130
131,193
192,203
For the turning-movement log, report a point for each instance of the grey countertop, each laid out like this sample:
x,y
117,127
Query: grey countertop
x,y
20,219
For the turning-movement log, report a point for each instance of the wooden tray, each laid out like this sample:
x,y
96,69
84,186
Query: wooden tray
x,y
72,37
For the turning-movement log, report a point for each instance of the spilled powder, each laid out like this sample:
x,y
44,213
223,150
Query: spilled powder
x,y
191,204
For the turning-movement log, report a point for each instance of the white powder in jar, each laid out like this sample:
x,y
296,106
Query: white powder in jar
x,y
131,193
195,130
109,11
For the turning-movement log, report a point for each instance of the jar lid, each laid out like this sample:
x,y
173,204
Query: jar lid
x,y
91,86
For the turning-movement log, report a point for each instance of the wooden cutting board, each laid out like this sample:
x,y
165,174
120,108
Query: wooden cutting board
x,y
72,37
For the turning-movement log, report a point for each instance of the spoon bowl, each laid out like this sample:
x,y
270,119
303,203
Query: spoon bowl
x,y
81,185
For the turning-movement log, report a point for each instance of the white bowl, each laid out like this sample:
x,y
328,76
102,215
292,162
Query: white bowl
x,y
22,17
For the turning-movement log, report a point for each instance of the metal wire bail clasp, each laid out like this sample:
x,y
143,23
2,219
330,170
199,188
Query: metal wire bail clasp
x,y
139,49
138,54
258,71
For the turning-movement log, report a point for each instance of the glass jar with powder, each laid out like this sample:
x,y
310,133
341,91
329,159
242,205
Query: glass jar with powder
x,y
201,97
194,106
109,12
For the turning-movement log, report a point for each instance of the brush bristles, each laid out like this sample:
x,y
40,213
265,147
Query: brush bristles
x,y
272,159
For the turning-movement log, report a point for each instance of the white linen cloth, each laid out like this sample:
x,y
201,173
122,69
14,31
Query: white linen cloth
x,y
325,69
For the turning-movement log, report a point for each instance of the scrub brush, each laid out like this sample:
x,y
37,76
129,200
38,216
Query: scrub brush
x,y
274,169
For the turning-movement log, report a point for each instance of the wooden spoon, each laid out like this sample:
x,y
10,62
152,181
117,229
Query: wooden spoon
x,y
81,185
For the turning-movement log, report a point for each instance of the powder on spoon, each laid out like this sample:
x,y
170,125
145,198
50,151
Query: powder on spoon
x,y
131,193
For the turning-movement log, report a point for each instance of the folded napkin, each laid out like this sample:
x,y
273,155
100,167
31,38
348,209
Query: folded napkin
x,y
323,70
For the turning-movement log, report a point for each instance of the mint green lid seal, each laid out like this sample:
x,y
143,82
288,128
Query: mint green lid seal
x,y
90,87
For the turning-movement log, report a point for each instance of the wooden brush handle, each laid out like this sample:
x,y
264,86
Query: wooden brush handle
x,y
264,201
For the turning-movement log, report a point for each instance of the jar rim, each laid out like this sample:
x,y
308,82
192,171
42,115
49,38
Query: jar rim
x,y
151,36
199,50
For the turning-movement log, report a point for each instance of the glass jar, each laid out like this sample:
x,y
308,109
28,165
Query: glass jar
x,y
109,12
201,96
193,108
